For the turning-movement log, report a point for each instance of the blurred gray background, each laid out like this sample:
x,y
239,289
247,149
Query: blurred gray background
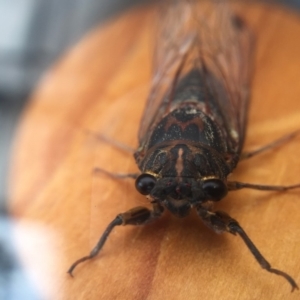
x,y
33,34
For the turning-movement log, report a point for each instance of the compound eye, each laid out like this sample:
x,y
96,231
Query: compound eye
x,y
145,183
214,189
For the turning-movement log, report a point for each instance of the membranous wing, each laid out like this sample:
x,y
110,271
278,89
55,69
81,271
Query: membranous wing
x,y
207,37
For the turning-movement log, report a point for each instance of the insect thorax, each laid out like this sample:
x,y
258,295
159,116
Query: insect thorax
x,y
185,149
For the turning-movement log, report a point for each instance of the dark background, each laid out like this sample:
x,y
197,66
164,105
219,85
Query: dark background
x,y
33,34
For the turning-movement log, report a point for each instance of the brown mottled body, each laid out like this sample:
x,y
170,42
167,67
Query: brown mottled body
x,y
188,145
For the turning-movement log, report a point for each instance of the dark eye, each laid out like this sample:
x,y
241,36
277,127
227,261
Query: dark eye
x,y
145,183
215,189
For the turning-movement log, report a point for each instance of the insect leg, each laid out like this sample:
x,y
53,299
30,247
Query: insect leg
x,y
235,185
135,216
276,143
221,222
116,175
110,141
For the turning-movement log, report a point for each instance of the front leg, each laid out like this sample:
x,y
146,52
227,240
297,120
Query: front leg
x,y
221,222
135,216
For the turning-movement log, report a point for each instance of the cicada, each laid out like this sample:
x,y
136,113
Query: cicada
x,y
193,128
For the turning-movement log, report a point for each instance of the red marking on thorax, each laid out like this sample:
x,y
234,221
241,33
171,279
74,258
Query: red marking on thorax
x,y
179,162
173,121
